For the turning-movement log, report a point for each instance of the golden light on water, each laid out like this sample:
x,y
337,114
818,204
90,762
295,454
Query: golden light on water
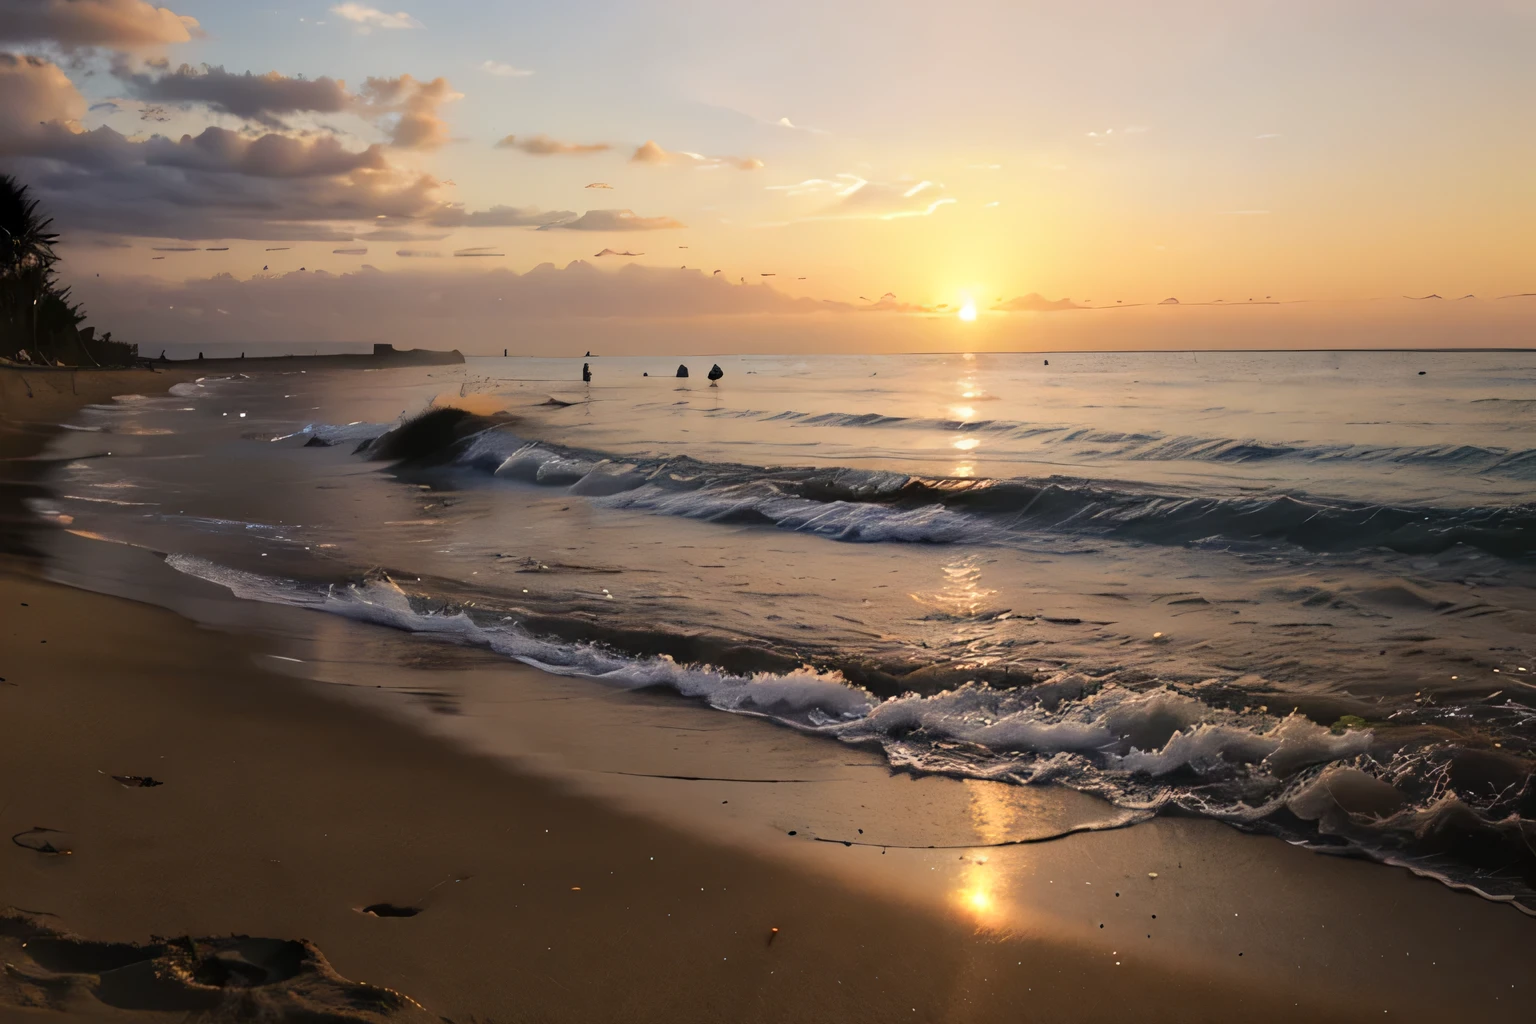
x,y
968,311
965,444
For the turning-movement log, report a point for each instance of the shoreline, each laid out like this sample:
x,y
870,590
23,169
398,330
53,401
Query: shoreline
x,y
311,766
281,812
287,804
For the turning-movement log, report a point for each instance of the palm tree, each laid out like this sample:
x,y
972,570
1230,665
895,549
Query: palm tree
x,y
27,259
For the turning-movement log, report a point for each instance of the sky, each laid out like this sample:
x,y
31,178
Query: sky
x,y
858,173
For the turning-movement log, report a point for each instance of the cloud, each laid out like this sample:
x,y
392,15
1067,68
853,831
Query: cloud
x,y
454,216
614,220
650,153
500,70
111,24
405,107
413,104
1034,302
419,254
854,198
264,156
785,122
369,18
216,184
422,302
261,98
543,145
34,90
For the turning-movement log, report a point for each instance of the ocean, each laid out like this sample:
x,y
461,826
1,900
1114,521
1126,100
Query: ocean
x,y
1294,592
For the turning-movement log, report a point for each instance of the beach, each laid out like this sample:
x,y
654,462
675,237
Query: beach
x,y
282,812
538,846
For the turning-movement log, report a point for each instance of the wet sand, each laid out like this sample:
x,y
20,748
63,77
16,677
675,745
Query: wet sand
x,y
282,811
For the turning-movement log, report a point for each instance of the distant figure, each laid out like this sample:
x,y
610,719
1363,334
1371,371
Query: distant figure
x,y
715,373
589,354
586,372
162,356
242,355
645,375
265,267
503,353
1047,362
199,357
682,371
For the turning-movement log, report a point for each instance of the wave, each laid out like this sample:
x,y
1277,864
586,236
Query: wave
x,y
1399,795
1091,444
881,505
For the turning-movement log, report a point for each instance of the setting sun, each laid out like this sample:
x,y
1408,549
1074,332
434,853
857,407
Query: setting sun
x,y
968,311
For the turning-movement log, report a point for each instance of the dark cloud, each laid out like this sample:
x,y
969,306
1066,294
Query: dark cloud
x,y
412,304
264,98
613,220
218,183
264,156
543,145
111,24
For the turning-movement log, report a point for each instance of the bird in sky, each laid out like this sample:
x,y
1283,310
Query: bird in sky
x,y
716,272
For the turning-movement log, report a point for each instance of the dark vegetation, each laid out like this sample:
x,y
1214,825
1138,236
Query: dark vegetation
x,y
39,323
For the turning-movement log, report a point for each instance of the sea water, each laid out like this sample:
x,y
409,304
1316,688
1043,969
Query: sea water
x,y
1291,591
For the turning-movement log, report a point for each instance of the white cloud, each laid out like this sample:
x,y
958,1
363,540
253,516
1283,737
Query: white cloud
x,y
369,18
855,198
500,70
651,153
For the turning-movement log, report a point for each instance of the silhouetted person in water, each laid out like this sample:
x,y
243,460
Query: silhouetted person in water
x,y
503,353
682,371
715,373
586,372
199,357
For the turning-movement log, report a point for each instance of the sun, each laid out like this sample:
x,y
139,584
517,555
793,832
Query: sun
x,y
968,311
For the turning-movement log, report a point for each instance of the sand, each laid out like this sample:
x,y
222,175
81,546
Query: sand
x,y
571,855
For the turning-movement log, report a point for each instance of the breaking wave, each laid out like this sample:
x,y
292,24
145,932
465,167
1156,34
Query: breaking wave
x,y
1438,807
881,505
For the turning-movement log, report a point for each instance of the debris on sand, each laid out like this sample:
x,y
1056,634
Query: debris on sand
x,y
388,910
43,840
234,978
138,781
